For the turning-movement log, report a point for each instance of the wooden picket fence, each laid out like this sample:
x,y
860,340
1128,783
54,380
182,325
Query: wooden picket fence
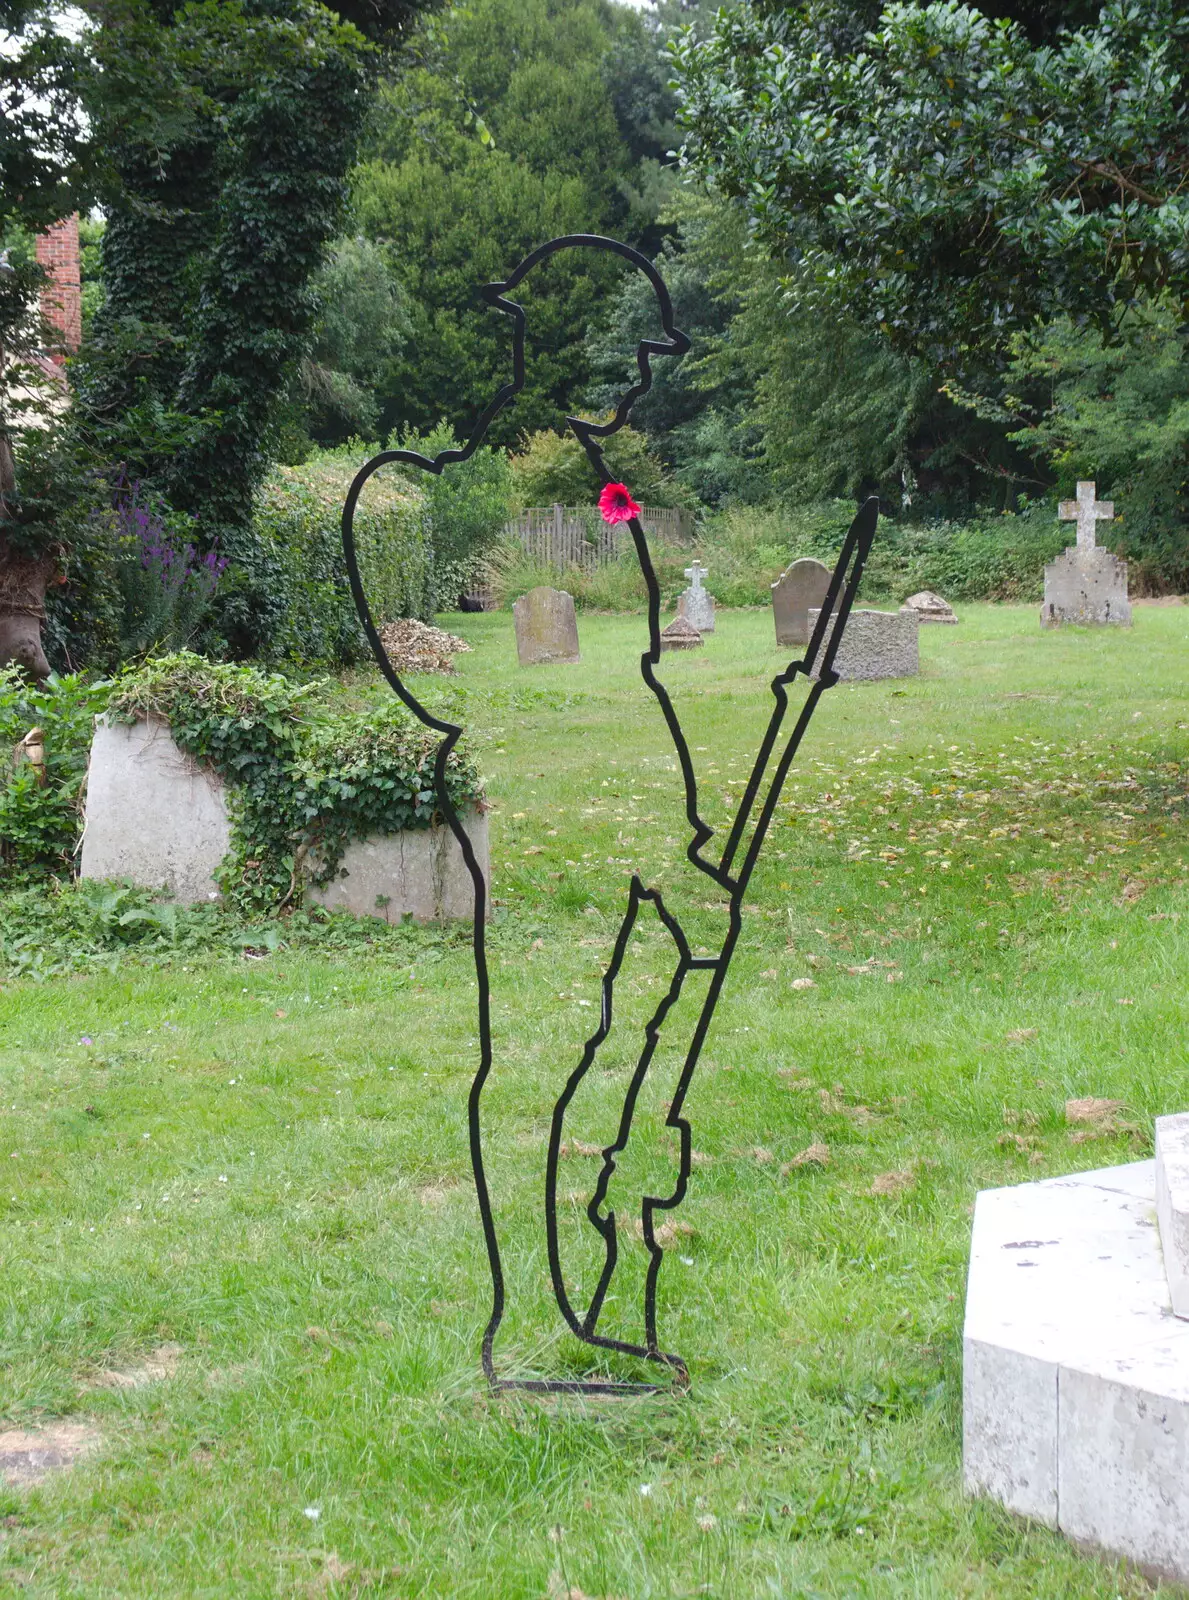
x,y
566,536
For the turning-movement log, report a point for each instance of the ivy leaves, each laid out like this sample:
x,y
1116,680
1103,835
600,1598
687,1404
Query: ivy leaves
x,y
302,781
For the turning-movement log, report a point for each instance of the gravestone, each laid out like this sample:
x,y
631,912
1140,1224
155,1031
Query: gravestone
x,y
546,627
1086,584
696,604
929,607
153,814
159,819
680,635
876,644
799,589
1075,1386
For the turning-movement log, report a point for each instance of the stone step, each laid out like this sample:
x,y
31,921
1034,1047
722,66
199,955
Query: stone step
x,y
1172,1205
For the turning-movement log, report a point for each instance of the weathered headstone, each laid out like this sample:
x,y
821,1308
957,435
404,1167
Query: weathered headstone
x,y
546,627
696,604
153,815
680,635
929,607
796,592
877,644
1086,584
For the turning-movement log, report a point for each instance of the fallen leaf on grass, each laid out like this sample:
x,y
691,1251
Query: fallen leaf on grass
x,y
892,1182
803,983
814,1155
281,1014
1124,1002
761,1153
575,1147
769,972
1019,1035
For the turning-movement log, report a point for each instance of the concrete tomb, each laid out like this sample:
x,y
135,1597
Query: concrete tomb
x,y
546,627
1076,1354
877,644
159,819
798,589
696,604
680,635
1086,584
930,607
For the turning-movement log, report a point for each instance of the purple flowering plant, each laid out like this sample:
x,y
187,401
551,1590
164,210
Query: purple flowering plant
x,y
166,585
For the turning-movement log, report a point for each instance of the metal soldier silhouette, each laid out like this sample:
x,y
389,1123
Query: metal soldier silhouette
x,y
730,870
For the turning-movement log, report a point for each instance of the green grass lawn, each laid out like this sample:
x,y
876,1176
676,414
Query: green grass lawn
x,y
260,1158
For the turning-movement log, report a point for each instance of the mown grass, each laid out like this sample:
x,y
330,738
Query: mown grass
x,y
260,1156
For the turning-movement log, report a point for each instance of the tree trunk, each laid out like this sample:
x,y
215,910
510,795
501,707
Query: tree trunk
x,y
23,582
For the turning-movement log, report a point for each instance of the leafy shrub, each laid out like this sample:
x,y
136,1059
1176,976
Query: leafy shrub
x,y
39,818
302,782
553,469
311,617
468,507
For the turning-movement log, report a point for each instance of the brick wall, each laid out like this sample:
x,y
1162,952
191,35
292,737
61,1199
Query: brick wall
x,y
61,297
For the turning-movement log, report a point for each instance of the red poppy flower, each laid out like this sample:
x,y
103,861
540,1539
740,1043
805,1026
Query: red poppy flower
x,y
616,504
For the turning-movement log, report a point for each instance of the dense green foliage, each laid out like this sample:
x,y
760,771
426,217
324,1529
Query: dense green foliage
x,y
227,190
40,814
301,781
466,509
511,129
310,617
1116,411
943,178
553,469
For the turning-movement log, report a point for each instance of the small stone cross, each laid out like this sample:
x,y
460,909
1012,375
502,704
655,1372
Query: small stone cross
x,y
1086,510
695,574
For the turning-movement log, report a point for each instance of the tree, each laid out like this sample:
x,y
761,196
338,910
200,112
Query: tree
x,y
361,328
504,135
225,190
1116,411
948,178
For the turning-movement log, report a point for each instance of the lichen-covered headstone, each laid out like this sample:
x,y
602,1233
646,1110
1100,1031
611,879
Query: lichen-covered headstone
x,y
929,607
696,604
877,644
1086,584
546,627
799,589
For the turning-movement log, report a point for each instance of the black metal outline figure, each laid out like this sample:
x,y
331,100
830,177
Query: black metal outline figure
x,y
817,666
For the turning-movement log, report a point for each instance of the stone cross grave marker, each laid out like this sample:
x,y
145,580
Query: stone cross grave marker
x,y
1086,510
696,604
1086,584
799,589
546,627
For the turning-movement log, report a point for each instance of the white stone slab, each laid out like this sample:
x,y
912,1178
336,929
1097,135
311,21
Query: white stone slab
x,y
1076,1381
1172,1205
419,873
153,815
